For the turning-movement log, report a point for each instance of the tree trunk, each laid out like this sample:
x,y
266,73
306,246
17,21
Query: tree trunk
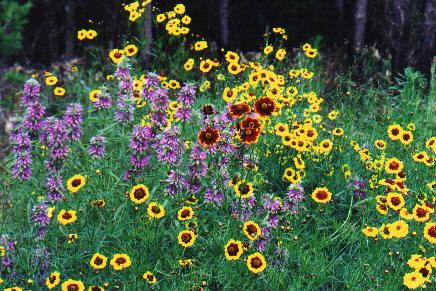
x,y
429,34
148,35
359,24
224,21
399,39
70,28
53,47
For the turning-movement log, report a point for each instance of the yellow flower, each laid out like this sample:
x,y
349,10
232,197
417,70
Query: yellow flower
x,y
186,238
380,144
131,50
370,231
67,216
59,91
251,230
71,284
91,34
53,280
75,183
233,250
149,277
206,66
405,214
406,137
256,262
81,34
268,49
51,80
386,231
399,229
98,261
243,189
185,262
395,200
116,55
186,20
311,53
430,232
139,194
120,262
394,131
413,280
161,18
321,195
200,45
179,9
393,166
280,54
306,47
185,213
420,213
93,95
155,210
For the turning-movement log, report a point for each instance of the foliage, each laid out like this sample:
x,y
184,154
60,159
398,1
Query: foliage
x,y
12,20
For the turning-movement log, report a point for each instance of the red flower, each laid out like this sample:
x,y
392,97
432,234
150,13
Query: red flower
x,y
239,109
208,136
265,106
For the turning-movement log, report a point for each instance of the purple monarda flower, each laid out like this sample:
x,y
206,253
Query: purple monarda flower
x,y
21,148
55,187
125,102
142,137
295,196
40,219
97,146
73,120
31,92
213,196
168,146
104,101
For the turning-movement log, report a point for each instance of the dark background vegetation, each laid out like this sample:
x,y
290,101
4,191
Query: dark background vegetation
x,y
402,31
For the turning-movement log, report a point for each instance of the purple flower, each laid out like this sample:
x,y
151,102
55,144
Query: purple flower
x,y
186,94
33,117
104,101
73,120
40,219
55,188
168,146
125,102
31,92
97,146
214,196
21,148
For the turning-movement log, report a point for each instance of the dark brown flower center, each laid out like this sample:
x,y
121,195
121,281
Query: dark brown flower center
x,y
251,229
139,193
120,261
432,231
233,249
76,182
98,261
420,212
155,209
73,287
395,201
185,213
256,263
186,237
321,195
67,216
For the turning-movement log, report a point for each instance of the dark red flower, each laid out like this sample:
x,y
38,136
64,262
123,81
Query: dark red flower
x,y
208,136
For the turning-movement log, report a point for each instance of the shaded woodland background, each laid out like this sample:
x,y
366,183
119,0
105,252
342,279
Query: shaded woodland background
x,y
402,31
